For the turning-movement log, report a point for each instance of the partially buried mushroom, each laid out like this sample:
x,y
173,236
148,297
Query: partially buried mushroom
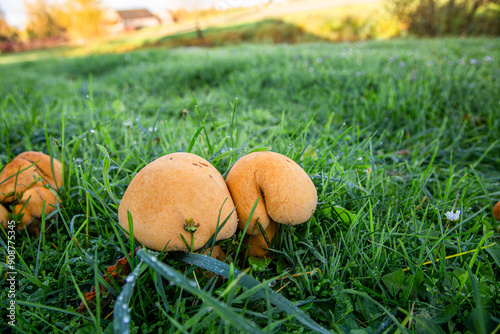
x,y
285,192
178,194
27,170
31,181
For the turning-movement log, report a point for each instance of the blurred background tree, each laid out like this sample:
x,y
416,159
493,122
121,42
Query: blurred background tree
x,y
449,17
77,20
42,20
82,19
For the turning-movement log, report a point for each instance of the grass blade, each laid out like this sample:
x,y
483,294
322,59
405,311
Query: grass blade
x,y
180,280
248,282
121,318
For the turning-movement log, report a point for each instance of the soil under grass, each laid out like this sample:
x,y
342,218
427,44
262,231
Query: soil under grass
x,y
394,134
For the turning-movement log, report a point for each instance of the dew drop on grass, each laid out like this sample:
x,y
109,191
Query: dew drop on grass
x,y
126,318
129,279
92,131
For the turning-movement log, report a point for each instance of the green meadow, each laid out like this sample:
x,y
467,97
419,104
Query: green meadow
x,y
394,134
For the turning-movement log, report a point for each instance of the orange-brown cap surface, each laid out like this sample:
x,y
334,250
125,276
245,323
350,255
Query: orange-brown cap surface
x,y
286,193
170,190
33,169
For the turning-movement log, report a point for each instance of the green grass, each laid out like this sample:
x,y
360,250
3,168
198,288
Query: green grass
x,y
394,135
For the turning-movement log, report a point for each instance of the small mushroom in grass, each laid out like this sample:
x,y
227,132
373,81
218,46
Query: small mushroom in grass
x,y
35,202
178,194
257,244
496,211
28,170
4,216
286,193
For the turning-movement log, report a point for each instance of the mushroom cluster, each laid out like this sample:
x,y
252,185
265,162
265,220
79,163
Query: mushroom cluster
x,y
177,201
30,181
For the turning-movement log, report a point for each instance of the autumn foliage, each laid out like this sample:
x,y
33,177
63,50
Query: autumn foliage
x,y
77,20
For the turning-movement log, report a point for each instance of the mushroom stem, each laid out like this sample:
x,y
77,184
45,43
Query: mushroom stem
x,y
257,245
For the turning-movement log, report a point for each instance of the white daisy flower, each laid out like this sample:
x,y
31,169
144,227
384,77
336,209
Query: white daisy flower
x,y
453,216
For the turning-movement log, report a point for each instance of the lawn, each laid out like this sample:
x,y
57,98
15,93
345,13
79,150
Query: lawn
x,y
394,134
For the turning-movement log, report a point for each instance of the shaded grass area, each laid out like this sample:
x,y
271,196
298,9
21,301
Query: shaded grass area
x,y
394,134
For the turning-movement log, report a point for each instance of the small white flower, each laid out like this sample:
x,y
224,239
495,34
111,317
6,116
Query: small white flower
x,y
473,61
453,216
488,58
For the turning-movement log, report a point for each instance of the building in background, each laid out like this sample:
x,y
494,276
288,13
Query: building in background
x,y
132,19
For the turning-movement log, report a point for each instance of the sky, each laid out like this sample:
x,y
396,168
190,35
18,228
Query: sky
x,y
14,9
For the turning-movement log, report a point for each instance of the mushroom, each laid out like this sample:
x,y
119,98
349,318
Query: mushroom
x,y
34,203
27,170
178,194
496,211
4,216
286,193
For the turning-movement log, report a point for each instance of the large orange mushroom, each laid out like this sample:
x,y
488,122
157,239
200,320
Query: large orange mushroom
x,y
285,193
178,194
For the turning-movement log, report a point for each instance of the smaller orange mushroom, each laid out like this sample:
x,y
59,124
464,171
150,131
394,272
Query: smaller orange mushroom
x,y
285,193
29,170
